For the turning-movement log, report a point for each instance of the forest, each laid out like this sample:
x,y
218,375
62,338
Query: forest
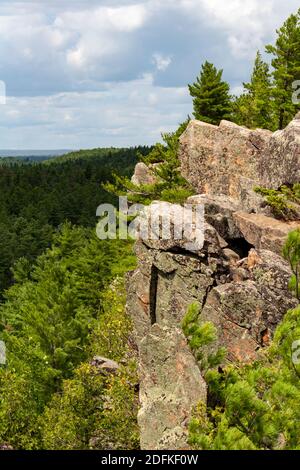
x,y
57,280
63,297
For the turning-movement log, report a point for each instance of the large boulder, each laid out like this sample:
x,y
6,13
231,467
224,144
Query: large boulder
x,y
143,175
219,211
230,159
171,385
280,162
105,366
165,226
264,232
213,158
169,278
246,312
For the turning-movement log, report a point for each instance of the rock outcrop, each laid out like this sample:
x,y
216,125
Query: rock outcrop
x,y
264,232
231,160
104,365
143,175
280,162
247,308
171,385
243,291
237,274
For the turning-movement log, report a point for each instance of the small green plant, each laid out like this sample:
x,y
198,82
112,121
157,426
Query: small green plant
x,y
291,252
200,336
283,202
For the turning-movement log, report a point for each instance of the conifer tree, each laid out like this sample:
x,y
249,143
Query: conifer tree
x,y
253,108
170,185
212,101
286,65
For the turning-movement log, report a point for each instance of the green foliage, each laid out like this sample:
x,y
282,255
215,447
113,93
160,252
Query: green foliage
x,y
36,198
117,427
256,406
47,322
163,160
94,410
20,237
69,417
253,108
286,69
19,409
60,310
284,202
291,253
211,98
66,303
199,335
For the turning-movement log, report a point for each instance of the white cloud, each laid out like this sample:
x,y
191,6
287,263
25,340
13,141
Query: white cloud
x,y
127,18
247,23
100,32
73,37
123,114
75,57
161,62
237,90
100,48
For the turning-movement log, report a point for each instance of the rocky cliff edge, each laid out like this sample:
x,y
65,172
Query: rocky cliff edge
x,y
239,277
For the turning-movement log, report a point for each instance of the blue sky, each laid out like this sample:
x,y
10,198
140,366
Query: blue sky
x,y
92,73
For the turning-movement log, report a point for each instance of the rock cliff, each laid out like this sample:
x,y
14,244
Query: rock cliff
x,y
231,160
238,277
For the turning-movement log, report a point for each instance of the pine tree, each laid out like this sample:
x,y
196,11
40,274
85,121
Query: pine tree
x,y
253,108
211,101
286,65
170,185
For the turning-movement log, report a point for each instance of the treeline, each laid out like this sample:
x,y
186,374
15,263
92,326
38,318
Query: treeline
x,y
36,198
267,99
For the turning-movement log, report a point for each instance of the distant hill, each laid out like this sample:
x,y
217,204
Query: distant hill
x,y
32,154
110,156
29,156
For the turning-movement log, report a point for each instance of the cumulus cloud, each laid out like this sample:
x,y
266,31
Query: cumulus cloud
x,y
126,113
99,31
68,65
247,23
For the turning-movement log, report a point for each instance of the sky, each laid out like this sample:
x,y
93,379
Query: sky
x,y
97,73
